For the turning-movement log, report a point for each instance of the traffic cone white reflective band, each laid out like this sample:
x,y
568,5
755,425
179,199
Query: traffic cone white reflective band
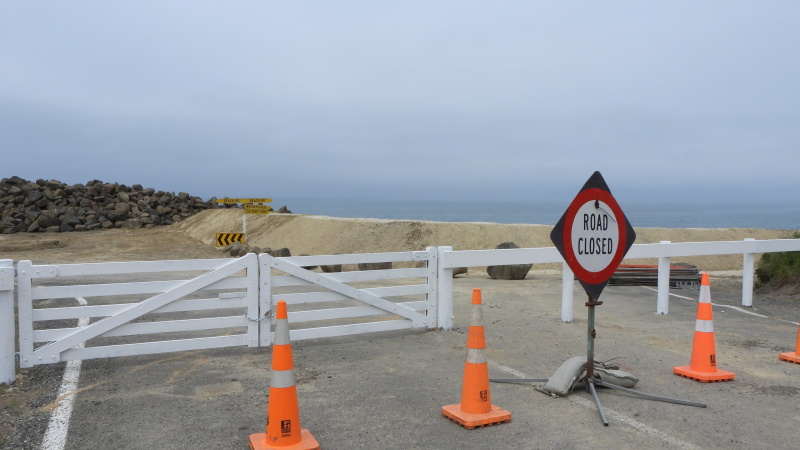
x,y
705,294
282,378
476,356
706,326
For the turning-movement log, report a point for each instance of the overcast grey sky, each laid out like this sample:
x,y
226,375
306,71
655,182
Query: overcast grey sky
x,y
448,99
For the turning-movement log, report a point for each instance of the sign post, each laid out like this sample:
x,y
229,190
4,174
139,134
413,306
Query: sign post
x,y
250,206
593,236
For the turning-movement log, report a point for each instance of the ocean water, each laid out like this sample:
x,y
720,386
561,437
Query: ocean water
x,y
776,215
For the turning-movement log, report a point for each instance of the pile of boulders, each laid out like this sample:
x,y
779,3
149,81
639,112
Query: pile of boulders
x,y
31,206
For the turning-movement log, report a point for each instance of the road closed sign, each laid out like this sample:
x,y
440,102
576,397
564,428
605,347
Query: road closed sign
x,y
593,235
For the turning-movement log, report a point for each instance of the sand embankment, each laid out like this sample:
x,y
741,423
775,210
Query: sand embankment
x,y
322,235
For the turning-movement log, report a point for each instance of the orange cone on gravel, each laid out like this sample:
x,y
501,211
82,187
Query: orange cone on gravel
x,y
703,365
283,413
792,357
476,408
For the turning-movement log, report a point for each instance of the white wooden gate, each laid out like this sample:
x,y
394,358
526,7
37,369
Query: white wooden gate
x,y
147,307
352,301
143,308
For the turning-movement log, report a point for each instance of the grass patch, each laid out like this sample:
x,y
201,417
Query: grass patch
x,y
779,269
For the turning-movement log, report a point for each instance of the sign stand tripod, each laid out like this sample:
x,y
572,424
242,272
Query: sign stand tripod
x,y
591,381
593,236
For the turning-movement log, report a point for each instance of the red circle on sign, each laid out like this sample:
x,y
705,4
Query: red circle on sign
x,y
584,197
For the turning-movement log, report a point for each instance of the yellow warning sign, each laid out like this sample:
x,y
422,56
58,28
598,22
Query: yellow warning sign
x,y
229,201
257,209
225,239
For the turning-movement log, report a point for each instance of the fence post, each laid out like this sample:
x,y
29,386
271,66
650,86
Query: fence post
x,y
433,287
662,304
265,299
567,291
748,269
7,327
444,286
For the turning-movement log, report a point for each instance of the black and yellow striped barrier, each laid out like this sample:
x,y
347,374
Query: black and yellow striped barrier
x,y
225,239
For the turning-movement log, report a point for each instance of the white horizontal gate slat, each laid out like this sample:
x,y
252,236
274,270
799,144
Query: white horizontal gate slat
x,y
163,326
318,297
124,268
356,258
346,330
134,288
77,312
148,348
346,313
350,277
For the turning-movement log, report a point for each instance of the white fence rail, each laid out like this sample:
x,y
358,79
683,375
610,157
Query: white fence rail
x,y
449,259
238,295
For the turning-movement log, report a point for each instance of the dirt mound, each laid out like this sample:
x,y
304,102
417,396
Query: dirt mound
x,y
322,235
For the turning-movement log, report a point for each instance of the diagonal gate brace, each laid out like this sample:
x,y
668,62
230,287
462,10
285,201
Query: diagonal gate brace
x,y
344,289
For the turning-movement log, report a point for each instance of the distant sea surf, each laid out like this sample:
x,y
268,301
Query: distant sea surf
x,y
641,213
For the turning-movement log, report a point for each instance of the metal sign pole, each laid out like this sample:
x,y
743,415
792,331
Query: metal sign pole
x,y
591,333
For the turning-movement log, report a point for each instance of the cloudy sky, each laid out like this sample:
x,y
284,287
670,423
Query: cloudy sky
x,y
445,99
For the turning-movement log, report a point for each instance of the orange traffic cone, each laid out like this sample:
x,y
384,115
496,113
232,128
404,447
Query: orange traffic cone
x,y
703,366
476,408
792,357
283,413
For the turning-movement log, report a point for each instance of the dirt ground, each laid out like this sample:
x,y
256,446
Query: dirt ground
x,y
104,246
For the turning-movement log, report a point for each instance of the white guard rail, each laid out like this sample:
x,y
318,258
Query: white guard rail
x,y
748,248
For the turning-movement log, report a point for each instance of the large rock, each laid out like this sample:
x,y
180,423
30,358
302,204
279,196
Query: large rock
x,y
331,268
308,267
509,272
280,253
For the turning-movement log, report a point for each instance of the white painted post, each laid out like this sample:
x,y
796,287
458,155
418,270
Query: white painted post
x,y
25,313
748,271
7,328
567,292
244,226
253,300
444,284
265,299
433,287
662,303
